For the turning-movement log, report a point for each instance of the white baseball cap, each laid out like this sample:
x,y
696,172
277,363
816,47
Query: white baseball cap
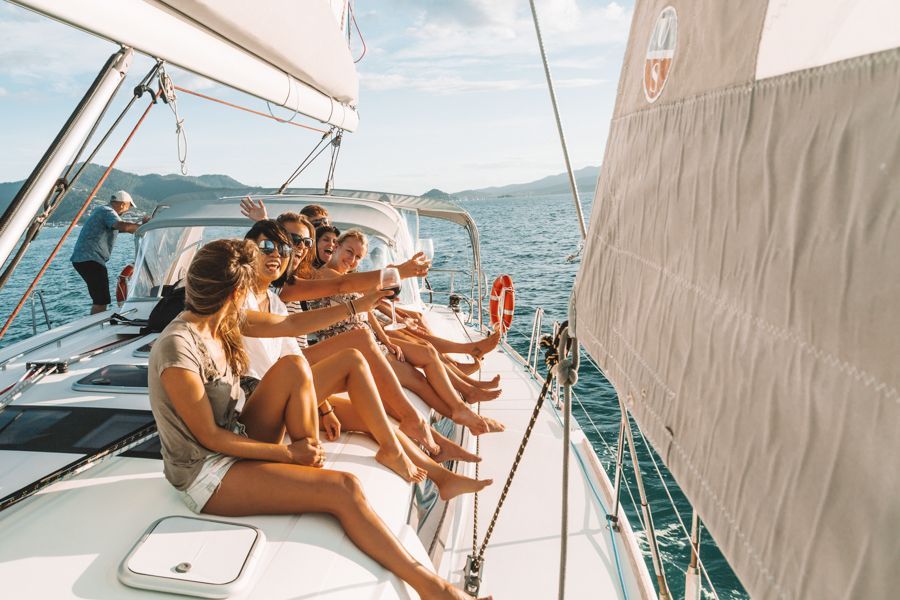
x,y
124,197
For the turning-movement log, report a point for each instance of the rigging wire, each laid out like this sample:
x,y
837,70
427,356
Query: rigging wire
x,y
81,211
245,109
168,97
317,151
675,510
562,137
65,183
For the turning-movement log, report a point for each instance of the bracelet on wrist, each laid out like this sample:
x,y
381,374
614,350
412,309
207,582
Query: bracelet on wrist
x,y
327,412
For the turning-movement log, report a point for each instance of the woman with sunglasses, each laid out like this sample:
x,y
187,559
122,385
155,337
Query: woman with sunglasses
x,y
344,370
390,389
234,464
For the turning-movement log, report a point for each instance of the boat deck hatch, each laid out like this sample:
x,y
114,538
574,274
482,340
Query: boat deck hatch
x,y
144,351
122,379
194,557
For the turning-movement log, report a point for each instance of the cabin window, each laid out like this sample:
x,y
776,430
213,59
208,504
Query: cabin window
x,y
74,430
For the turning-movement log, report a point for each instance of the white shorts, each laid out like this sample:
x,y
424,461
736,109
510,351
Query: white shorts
x,y
210,477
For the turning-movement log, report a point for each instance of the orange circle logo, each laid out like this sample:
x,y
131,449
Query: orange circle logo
x,y
660,53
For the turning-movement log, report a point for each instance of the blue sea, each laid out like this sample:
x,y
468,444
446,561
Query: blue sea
x,y
528,238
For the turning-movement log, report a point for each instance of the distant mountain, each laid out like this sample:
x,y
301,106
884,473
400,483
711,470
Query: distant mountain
x,y
585,179
147,190
437,194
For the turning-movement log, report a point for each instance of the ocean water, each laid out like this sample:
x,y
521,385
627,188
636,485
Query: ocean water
x,y
528,238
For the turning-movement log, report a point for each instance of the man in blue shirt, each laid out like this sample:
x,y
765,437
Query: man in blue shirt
x,y
95,243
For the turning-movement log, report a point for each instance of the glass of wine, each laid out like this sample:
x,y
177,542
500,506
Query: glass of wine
x,y
390,280
426,246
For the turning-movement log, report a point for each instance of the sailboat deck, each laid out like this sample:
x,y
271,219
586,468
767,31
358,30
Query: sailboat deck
x,y
522,559
80,529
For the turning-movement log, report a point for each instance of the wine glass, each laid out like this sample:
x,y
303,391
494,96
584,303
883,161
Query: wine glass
x,y
426,246
390,280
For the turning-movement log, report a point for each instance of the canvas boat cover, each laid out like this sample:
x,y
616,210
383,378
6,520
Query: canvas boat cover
x,y
740,287
292,54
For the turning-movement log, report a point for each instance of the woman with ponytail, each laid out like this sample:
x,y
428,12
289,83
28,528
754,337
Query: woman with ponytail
x,y
234,464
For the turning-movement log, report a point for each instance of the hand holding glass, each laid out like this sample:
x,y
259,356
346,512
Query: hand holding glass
x,y
426,246
390,280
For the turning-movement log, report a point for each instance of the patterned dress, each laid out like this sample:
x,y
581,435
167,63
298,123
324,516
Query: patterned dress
x,y
359,321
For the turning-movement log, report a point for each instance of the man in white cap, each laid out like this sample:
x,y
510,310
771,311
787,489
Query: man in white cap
x,y
95,243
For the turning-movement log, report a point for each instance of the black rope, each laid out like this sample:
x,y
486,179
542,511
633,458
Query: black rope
x,y
475,561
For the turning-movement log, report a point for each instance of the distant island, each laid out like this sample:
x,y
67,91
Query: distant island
x,y
151,190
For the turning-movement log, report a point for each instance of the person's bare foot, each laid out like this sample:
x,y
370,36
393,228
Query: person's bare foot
x,y
418,431
486,345
475,423
488,385
468,368
400,464
453,451
472,394
456,484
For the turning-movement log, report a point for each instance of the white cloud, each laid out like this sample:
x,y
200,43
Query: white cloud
x,y
3,92
35,49
482,45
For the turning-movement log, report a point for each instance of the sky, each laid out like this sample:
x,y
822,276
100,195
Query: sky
x,y
452,96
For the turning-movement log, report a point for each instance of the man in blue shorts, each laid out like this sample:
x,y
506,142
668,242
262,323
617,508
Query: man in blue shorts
x,y
95,243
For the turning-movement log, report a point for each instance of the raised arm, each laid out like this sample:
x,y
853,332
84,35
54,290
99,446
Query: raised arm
x,y
333,283
266,325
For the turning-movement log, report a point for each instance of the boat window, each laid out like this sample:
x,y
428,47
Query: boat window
x,y
127,379
164,255
76,430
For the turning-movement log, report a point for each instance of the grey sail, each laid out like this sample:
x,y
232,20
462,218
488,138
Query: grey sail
x,y
740,284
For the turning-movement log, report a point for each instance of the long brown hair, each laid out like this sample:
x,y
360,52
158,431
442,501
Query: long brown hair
x,y
219,270
305,268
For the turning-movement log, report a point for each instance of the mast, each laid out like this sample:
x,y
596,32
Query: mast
x,y
43,179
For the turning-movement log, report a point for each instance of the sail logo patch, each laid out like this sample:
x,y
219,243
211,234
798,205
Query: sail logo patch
x,y
660,53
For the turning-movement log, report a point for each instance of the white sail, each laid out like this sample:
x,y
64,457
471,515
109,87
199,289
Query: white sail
x,y
740,286
291,54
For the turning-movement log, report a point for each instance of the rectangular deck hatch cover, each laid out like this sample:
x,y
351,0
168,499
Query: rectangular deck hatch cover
x,y
122,379
194,557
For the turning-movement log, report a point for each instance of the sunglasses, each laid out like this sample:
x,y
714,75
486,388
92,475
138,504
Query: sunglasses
x,y
300,240
268,247
320,221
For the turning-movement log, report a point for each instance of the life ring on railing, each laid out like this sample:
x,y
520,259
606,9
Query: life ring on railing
x,y
122,283
503,302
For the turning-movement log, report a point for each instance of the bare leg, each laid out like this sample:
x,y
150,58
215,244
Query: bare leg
x,y
450,450
347,370
253,487
459,412
395,401
453,367
476,349
471,393
449,484
284,397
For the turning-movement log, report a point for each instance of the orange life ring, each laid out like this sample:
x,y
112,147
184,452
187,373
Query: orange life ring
x,y
122,283
502,293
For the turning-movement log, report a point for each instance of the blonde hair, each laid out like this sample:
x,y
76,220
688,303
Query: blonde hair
x,y
355,234
218,271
